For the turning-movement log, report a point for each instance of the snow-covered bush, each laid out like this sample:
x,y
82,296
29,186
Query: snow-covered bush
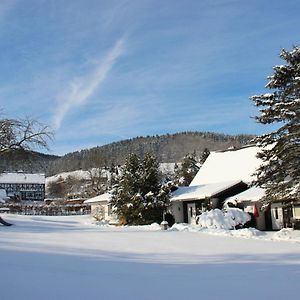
x,y
218,219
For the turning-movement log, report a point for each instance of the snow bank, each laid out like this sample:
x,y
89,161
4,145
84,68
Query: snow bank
x,y
240,233
246,233
223,220
151,227
180,227
287,234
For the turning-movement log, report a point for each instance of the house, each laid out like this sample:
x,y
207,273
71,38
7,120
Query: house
x,y
101,209
275,216
23,186
249,201
223,175
188,202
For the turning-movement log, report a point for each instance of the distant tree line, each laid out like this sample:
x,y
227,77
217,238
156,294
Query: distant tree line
x,y
167,148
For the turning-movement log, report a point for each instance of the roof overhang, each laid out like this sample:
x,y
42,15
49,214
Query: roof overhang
x,y
252,194
202,192
101,199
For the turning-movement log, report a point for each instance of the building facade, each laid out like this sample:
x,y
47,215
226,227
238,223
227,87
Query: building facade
x,y
23,186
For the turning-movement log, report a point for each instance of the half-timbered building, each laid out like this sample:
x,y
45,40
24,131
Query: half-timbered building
x,y
23,186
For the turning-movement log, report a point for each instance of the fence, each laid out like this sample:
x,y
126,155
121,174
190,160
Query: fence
x,y
47,210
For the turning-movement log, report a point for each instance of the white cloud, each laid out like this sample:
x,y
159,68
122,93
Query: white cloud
x,y
80,90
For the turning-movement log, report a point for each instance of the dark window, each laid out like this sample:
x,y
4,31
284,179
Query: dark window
x,y
276,213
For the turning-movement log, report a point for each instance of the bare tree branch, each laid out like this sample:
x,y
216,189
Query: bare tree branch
x,y
26,134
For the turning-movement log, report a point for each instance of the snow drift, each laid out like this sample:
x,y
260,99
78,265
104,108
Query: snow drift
x,y
217,219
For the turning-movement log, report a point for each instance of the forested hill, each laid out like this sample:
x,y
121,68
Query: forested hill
x,y
167,148
28,161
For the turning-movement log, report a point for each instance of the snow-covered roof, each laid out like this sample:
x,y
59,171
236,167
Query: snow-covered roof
x,y
187,193
253,194
229,165
22,178
101,198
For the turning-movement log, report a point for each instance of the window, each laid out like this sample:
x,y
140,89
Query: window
x,y
276,213
297,212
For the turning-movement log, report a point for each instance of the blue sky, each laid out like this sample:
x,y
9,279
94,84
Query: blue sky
x,y
102,71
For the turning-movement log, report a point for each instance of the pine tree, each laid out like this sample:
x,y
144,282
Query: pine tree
x,y
280,173
140,197
187,170
204,155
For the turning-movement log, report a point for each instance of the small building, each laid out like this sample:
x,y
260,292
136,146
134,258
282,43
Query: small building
x,y
223,174
102,209
189,201
249,201
23,186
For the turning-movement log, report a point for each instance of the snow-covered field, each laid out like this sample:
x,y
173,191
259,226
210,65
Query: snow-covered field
x,y
71,258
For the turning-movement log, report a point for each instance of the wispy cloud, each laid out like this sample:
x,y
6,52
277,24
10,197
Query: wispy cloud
x,y
122,117
80,90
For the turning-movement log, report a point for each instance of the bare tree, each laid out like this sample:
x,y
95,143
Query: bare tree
x,y
24,134
97,181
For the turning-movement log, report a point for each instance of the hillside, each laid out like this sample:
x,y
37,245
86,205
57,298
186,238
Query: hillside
x,y
28,161
167,148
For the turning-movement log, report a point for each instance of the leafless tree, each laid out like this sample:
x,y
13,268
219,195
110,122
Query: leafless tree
x,y
97,181
24,134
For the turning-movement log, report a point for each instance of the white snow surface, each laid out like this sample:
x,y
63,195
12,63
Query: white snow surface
x,y
229,165
218,219
72,258
79,174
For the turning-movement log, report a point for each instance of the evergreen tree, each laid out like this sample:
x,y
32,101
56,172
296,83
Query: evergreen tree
x,y
139,197
204,155
280,173
187,170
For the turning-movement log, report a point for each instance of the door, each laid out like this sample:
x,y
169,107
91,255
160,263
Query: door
x,y
191,212
287,216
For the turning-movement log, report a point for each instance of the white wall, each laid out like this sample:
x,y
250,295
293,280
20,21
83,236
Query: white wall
x,y
176,209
